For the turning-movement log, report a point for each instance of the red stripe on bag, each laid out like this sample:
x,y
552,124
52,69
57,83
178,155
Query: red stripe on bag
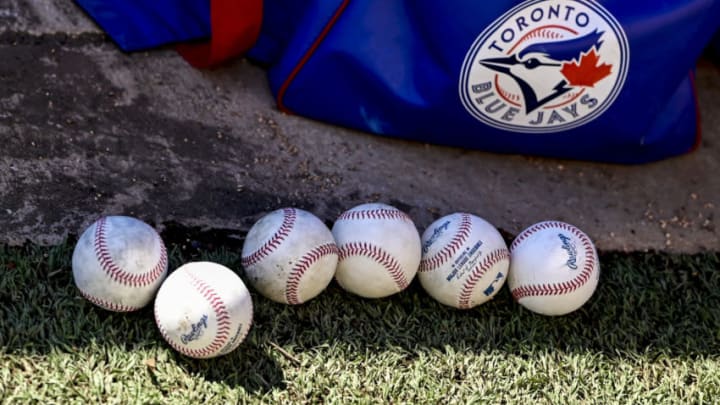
x,y
308,54
698,114
235,27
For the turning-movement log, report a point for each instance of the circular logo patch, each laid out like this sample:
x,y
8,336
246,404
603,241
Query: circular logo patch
x,y
545,66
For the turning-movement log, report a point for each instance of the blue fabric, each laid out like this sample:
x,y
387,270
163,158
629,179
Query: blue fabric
x,y
393,68
280,23
714,48
618,86
137,25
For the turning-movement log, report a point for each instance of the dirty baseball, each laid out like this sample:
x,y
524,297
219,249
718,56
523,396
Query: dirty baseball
x,y
119,263
289,256
203,310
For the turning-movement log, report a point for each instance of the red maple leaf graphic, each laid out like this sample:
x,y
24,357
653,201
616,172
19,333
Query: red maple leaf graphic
x,y
587,72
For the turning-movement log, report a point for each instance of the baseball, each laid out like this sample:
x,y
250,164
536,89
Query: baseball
x,y
289,256
203,310
465,260
379,250
554,268
119,263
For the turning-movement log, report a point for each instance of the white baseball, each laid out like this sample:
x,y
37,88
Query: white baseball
x,y
379,250
289,256
203,310
119,263
554,268
465,260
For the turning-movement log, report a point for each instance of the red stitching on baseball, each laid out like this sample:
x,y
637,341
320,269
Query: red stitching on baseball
x,y
565,286
302,265
289,216
115,272
221,315
543,32
379,255
541,226
447,252
511,96
491,259
380,213
235,342
111,306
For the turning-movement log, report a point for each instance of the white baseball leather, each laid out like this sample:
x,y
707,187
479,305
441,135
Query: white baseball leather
x,y
554,268
119,263
379,250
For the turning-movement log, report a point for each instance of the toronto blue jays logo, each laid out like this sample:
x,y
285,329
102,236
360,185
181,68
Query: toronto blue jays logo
x,y
545,66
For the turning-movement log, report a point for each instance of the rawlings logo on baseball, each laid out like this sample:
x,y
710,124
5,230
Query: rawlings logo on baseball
x,y
569,246
545,66
196,331
554,268
435,235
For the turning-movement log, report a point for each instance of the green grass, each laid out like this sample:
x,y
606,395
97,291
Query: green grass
x,y
650,334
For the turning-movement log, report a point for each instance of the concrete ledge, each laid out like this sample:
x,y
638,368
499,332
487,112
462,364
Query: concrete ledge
x,y
87,130
45,17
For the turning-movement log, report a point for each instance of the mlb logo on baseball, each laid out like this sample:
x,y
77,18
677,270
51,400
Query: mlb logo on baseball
x,y
464,260
545,66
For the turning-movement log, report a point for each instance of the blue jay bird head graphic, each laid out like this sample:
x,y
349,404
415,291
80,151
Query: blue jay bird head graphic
x,y
537,69
545,67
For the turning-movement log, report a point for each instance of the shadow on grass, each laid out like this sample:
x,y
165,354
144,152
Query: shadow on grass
x,y
41,312
647,304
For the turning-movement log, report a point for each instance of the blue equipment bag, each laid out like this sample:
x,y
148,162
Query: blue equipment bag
x,y
215,30
138,24
580,79
714,49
